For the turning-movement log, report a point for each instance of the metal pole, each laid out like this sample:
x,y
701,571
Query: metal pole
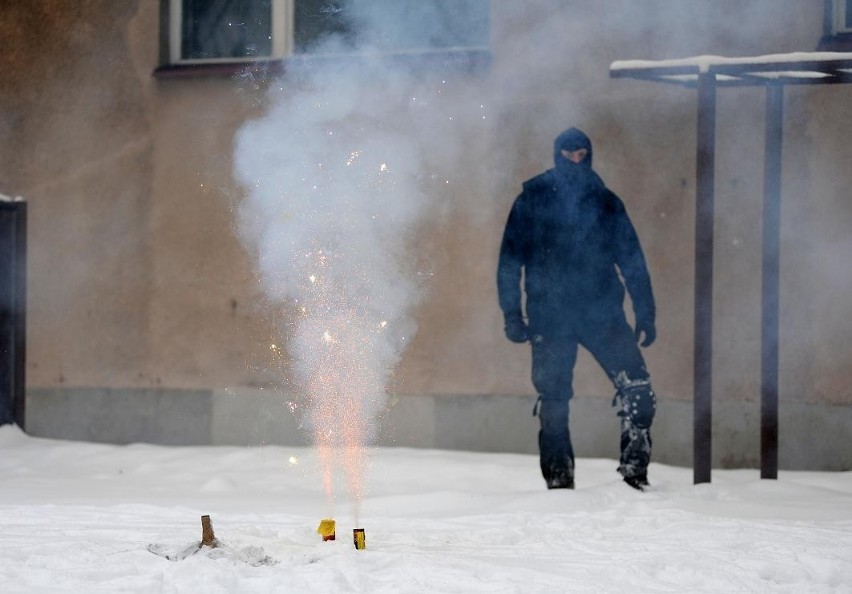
x,y
703,356
769,297
21,319
13,245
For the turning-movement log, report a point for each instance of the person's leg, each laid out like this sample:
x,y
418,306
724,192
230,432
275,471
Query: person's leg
x,y
552,375
614,347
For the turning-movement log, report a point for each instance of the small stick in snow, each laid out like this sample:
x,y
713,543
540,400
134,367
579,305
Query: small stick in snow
x,y
208,539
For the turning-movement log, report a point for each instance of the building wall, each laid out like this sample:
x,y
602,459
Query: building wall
x,y
139,280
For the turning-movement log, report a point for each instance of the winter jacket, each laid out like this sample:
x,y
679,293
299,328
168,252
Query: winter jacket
x,y
570,235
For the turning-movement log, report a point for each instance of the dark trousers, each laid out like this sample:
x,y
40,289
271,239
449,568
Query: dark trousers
x,y
613,345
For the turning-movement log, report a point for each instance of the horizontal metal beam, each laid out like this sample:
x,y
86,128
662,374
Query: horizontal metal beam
x,y
743,80
757,73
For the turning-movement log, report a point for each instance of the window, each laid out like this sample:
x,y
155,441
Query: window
x,y
222,31
837,26
227,30
842,16
393,26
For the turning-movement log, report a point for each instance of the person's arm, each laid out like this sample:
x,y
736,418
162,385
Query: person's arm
x,y
509,268
631,262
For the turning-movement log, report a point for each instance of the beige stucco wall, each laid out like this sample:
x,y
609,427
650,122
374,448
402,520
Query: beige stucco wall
x,y
138,278
78,145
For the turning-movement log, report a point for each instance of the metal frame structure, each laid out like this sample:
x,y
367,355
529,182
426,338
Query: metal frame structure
x,y
706,74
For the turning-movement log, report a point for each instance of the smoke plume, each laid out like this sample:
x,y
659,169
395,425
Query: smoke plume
x,y
339,172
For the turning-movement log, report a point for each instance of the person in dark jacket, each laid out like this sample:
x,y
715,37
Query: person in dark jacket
x,y
568,236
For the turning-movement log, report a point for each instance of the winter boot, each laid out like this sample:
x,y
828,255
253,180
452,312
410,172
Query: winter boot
x,y
635,452
637,405
557,460
638,482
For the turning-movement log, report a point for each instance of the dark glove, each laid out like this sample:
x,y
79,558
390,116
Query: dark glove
x,y
645,327
516,328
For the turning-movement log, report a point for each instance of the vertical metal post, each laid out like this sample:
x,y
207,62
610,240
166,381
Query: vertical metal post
x,y
13,298
703,357
769,297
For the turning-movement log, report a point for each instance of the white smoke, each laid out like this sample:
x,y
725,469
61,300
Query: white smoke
x,y
339,173
332,196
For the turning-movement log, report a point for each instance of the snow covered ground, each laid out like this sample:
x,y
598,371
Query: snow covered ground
x,y
79,517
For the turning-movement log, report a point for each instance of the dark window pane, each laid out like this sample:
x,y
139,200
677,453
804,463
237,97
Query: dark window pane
x,y
316,20
226,28
848,14
394,25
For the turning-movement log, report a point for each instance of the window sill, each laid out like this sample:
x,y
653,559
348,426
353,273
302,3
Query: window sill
x,y
464,61
218,69
842,42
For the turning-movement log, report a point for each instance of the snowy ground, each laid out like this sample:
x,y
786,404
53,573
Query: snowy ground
x,y
78,517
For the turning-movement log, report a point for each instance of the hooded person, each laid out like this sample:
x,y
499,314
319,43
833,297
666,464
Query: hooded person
x,y
569,238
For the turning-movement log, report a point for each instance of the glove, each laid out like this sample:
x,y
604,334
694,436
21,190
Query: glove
x,y
647,328
516,328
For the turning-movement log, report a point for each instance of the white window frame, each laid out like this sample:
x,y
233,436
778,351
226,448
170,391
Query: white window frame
x,y
838,18
282,35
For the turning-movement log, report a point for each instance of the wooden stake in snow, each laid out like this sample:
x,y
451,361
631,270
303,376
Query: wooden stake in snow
x,y
208,539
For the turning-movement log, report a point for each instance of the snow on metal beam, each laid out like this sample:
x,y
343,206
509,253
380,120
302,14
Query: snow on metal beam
x,y
795,68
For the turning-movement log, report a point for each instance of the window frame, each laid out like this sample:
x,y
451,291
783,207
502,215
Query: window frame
x,y
839,17
282,37
837,36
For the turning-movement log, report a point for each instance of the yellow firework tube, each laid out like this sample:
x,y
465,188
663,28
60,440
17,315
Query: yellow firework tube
x,y
326,529
359,538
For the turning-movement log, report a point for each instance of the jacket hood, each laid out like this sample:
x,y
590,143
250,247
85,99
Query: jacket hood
x,y
571,139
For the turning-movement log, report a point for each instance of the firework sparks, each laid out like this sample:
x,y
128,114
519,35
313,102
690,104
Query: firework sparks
x,y
340,368
333,198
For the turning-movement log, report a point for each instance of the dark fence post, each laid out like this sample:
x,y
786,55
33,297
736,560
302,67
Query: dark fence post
x,y
704,218
771,267
13,299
